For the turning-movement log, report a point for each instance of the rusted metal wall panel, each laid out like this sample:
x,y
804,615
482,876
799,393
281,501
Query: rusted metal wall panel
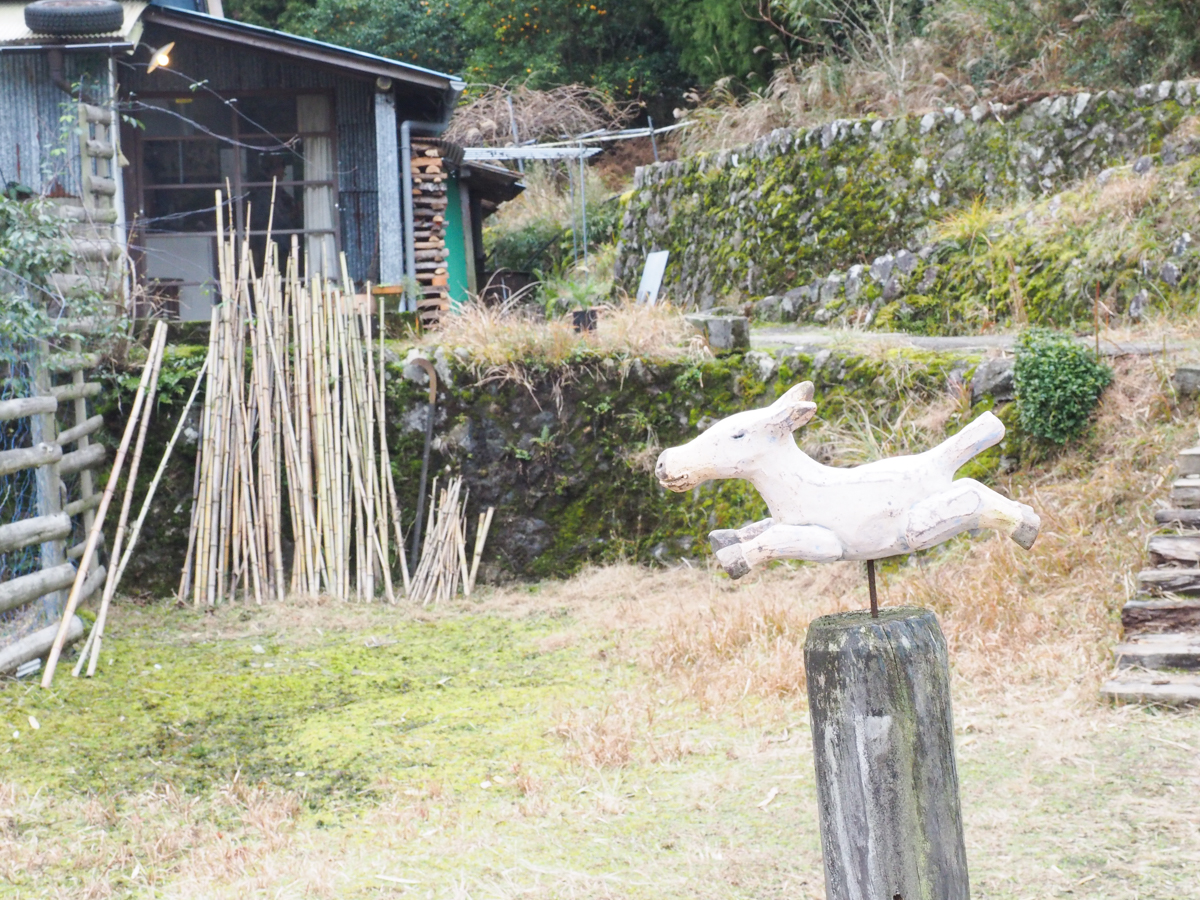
x,y
39,143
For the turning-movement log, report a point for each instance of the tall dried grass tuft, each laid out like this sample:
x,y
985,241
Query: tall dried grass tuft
x,y
561,112
498,341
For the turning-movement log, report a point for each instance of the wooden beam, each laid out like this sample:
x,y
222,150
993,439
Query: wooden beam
x,y
29,458
1161,615
26,406
75,391
89,457
17,535
28,588
89,426
1178,518
1174,581
36,644
84,504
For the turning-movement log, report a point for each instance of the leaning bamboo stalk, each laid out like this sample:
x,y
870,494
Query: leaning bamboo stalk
x,y
481,532
89,550
97,632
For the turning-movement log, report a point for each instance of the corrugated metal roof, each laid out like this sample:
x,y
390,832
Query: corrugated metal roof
x,y
13,29
311,50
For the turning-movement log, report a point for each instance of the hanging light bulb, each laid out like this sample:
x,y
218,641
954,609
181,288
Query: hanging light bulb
x,y
161,58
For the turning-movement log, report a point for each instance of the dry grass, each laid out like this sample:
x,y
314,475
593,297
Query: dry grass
x,y
498,341
562,112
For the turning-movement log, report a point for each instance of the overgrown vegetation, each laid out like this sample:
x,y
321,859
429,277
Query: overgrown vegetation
x,y
33,247
1058,384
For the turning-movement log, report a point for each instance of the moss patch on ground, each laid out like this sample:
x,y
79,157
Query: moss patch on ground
x,y
193,699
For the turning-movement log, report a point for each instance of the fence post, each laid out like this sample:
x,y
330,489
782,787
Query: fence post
x,y
883,743
43,428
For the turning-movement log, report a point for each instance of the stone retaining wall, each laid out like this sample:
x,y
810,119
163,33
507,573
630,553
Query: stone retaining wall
x,y
800,204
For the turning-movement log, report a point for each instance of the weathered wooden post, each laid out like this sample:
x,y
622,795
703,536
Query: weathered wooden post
x,y
878,680
883,744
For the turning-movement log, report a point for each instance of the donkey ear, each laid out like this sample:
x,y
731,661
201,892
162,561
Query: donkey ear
x,y
794,408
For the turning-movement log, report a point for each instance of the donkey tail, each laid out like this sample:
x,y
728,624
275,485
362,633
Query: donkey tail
x,y
983,432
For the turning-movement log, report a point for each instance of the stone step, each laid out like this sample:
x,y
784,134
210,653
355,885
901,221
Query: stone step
x,y
1189,461
1174,549
1161,615
1185,492
1155,582
1152,687
1173,650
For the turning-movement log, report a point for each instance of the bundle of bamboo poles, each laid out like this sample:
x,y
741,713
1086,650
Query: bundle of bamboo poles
x,y
443,565
292,429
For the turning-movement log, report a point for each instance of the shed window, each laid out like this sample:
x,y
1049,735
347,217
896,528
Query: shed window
x,y
246,146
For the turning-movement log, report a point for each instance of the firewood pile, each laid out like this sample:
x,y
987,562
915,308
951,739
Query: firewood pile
x,y
429,231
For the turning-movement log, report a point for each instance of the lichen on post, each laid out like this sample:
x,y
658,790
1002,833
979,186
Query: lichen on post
x,y
883,745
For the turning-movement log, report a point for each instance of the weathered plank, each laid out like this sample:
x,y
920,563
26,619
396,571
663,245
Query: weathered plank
x,y
77,551
1189,461
1174,689
89,426
1185,492
77,460
1178,518
37,644
29,457
75,391
1174,650
883,744
1174,580
26,406
1161,615
20,534
1174,550
27,588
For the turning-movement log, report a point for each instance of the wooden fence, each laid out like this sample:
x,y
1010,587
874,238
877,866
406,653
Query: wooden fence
x,y
63,455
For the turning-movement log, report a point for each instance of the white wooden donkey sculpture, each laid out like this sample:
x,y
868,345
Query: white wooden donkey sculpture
x,y
821,513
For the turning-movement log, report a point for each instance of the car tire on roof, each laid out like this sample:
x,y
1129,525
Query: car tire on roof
x,y
74,17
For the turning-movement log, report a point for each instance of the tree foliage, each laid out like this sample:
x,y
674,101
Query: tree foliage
x,y
721,38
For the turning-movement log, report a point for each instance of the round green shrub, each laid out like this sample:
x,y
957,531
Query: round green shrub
x,y
1058,384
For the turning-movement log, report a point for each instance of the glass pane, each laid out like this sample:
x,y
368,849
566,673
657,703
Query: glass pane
x,y
184,162
289,208
273,161
181,210
184,116
271,114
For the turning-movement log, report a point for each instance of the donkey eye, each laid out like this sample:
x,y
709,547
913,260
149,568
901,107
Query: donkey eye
x,y
739,435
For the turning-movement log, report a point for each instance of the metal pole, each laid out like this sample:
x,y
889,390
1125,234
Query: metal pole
x,y
574,243
583,203
653,143
871,588
512,121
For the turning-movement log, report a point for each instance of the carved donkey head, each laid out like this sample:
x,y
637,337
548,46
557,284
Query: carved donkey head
x,y
732,447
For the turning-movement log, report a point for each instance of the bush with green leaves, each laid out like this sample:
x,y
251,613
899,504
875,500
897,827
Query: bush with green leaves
x,y
32,248
1058,384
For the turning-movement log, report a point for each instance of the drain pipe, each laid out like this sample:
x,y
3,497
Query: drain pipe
x,y
57,75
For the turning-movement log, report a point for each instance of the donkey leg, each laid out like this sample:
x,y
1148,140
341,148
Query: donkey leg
x,y
966,505
723,537
808,542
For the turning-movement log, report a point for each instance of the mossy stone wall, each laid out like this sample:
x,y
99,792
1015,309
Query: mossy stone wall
x,y
801,203
567,456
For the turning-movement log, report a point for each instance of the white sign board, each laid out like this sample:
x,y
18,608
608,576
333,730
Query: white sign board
x,y
652,276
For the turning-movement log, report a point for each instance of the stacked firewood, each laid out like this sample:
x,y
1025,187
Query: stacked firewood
x,y
429,231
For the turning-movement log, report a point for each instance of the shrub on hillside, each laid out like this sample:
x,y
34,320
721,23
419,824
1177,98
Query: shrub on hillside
x,y
1058,384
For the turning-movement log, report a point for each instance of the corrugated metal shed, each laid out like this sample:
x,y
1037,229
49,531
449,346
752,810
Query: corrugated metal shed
x,y
39,118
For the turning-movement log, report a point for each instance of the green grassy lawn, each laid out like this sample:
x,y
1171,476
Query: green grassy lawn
x,y
526,749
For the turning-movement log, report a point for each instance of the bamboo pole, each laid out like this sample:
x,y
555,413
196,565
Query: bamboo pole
x,y
89,550
97,632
